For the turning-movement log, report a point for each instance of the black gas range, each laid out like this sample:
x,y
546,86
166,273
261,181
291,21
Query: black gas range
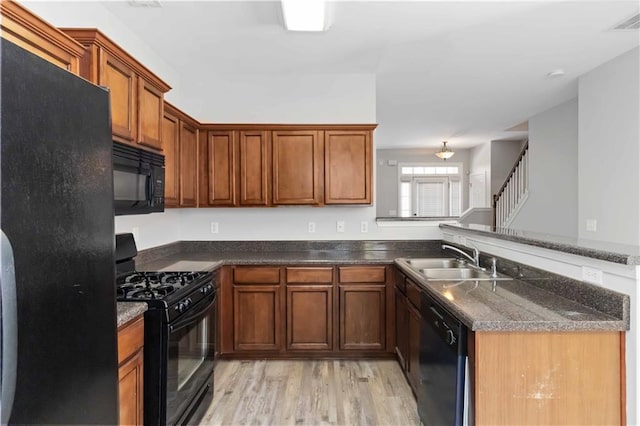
x,y
179,336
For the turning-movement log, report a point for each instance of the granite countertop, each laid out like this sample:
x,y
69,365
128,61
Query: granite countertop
x,y
610,252
536,301
126,311
514,305
210,261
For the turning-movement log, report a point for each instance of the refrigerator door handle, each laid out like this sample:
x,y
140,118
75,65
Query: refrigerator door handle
x,y
9,328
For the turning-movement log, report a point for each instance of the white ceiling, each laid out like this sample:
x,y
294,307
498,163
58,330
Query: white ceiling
x,y
462,71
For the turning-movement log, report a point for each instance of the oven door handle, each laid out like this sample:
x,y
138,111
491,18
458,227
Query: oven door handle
x,y
192,317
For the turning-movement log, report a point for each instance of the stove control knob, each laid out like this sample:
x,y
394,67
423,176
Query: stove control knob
x,y
188,302
181,307
206,289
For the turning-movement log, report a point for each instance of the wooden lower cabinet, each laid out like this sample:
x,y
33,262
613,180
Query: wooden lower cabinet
x,y
362,317
309,317
548,378
131,371
290,311
413,355
402,328
257,318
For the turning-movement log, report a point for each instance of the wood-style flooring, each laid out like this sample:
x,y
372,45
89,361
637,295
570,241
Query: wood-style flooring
x,y
311,392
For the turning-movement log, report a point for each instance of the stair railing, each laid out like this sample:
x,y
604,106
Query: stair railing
x,y
513,192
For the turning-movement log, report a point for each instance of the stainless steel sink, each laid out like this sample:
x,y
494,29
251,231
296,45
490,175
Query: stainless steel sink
x,y
459,274
436,263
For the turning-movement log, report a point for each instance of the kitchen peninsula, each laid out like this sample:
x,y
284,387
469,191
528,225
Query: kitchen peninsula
x,y
538,309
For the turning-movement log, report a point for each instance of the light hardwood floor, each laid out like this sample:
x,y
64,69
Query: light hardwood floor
x,y
311,392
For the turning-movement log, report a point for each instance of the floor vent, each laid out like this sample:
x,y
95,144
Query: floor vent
x,y
629,24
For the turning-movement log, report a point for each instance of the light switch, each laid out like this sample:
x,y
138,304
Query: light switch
x,y
592,225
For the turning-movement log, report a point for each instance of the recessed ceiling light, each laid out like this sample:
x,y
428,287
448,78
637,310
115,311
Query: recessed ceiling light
x,y
144,3
307,15
556,73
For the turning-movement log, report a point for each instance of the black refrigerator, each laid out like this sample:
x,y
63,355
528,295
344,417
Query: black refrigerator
x,y
59,347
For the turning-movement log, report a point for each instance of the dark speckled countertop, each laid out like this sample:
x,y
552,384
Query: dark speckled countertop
x,y
601,250
516,305
537,301
126,311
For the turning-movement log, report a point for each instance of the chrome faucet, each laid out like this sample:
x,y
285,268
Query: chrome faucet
x,y
476,254
494,267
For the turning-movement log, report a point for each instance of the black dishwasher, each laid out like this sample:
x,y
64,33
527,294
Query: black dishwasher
x,y
443,362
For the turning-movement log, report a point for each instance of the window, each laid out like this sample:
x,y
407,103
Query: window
x,y
428,190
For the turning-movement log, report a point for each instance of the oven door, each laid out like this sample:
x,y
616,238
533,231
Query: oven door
x,y
190,360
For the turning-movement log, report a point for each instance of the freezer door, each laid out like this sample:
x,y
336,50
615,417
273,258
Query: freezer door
x,y
9,328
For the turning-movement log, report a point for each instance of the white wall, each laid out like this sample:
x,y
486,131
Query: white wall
x,y
387,176
281,98
291,223
552,206
480,159
609,154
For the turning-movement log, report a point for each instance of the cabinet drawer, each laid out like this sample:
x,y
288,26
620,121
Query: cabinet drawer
x,y
309,275
359,274
413,293
130,338
256,275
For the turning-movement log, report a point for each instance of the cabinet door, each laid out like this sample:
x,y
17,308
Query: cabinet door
x,y
188,165
362,317
413,358
171,148
130,389
254,168
221,151
150,109
309,317
121,81
28,31
257,318
347,159
402,328
297,161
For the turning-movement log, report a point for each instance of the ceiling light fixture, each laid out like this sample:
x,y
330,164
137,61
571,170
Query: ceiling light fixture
x,y
445,152
307,15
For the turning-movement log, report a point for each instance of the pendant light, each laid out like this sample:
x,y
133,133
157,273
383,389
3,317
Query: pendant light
x,y
445,152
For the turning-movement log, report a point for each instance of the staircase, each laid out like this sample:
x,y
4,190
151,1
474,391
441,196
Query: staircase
x,y
514,191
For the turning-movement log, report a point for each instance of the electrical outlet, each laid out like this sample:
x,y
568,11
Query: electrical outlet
x,y
312,227
592,275
592,225
340,226
364,226
214,227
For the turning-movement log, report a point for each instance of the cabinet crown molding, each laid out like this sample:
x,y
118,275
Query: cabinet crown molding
x,y
89,36
12,11
283,126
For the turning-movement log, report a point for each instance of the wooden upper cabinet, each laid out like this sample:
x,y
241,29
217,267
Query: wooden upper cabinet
x,y
121,81
171,150
297,166
221,176
254,170
150,112
188,165
28,31
347,159
137,94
